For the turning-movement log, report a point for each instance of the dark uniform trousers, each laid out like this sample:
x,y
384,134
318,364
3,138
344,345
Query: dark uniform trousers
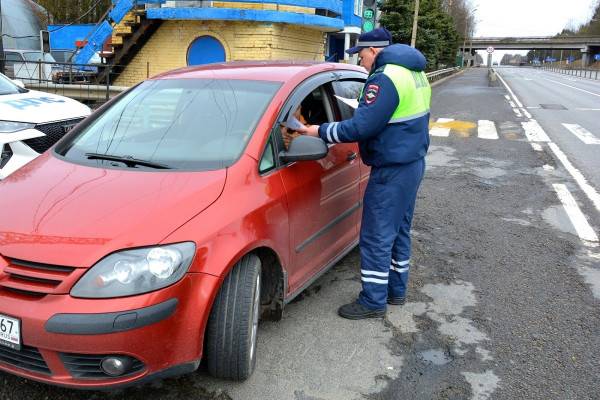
x,y
385,244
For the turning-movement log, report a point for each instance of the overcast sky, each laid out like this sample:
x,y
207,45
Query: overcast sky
x,y
529,17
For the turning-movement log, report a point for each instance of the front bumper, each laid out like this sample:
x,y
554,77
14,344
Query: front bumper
x,y
64,338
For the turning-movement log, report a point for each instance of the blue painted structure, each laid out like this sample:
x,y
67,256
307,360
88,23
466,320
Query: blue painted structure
x,y
63,37
339,14
205,50
237,14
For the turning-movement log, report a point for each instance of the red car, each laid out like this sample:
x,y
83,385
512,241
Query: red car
x,y
163,227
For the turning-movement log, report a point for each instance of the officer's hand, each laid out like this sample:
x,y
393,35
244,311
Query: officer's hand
x,y
310,130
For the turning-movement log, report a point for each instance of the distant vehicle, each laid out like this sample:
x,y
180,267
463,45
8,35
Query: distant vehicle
x,y
31,122
68,73
25,65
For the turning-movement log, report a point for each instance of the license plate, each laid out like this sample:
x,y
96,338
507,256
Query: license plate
x,y
10,332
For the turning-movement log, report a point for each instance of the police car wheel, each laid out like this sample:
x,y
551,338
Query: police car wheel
x,y
230,347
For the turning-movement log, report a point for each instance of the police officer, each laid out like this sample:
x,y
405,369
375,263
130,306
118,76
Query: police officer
x,y
391,126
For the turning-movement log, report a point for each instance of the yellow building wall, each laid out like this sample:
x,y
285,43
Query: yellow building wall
x,y
167,48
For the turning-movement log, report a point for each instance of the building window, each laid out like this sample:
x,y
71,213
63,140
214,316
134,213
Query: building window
x,y
358,7
205,50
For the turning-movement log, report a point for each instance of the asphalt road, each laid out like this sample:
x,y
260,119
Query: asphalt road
x,y
504,299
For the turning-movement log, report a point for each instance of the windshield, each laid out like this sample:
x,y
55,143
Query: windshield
x,y
37,56
186,124
7,87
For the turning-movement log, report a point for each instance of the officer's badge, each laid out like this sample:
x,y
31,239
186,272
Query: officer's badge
x,y
371,93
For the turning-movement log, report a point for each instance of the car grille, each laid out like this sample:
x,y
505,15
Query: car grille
x,y
38,279
28,358
53,132
87,366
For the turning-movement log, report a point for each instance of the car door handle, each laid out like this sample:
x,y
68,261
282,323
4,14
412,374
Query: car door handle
x,y
351,156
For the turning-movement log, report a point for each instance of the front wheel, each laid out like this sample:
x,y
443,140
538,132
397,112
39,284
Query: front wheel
x,y
233,323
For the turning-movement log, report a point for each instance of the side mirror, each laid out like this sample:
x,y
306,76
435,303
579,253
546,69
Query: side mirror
x,y
19,84
305,148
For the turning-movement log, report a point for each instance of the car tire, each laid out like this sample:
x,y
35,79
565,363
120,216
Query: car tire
x,y
230,348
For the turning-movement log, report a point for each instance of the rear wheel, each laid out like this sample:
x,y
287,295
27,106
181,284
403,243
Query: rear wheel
x,y
233,323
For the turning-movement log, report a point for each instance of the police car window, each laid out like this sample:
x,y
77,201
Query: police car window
x,y
349,89
7,87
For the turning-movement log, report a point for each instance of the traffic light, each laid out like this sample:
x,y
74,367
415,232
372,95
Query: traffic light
x,y
369,15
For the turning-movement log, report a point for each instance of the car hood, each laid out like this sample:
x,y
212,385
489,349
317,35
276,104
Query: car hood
x,y
37,107
55,212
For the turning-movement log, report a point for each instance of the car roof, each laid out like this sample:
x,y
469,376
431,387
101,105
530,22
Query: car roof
x,y
276,71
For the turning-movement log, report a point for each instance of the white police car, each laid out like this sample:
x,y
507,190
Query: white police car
x,y
31,122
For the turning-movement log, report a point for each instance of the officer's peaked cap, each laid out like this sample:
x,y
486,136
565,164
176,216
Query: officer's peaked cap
x,y
379,37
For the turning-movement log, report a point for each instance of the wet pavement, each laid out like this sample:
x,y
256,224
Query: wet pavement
x,y
504,299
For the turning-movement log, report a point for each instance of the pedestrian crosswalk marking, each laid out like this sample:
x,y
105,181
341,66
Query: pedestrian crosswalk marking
x,y
439,130
534,131
583,134
486,129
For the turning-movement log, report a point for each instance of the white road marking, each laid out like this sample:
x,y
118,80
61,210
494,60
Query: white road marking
x,y
507,97
573,87
512,104
533,108
547,167
527,114
510,90
486,130
580,223
578,176
587,109
536,146
583,134
534,131
441,132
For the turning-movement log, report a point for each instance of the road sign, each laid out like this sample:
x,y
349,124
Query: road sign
x,y
490,49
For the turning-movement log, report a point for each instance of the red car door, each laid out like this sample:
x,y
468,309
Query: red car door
x,y
323,200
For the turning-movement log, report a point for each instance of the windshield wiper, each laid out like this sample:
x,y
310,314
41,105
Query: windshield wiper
x,y
127,160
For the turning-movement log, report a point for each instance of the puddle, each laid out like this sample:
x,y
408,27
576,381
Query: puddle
x,y
435,357
440,156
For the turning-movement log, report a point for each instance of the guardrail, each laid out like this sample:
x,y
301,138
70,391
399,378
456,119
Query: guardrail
x,y
95,95
442,73
583,73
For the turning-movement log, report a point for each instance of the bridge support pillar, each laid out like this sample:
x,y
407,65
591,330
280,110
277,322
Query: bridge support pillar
x,y
585,57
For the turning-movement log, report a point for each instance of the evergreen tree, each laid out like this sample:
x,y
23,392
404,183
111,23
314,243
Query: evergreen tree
x,y
437,37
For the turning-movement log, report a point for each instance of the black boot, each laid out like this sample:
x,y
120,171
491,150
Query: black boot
x,y
358,311
396,301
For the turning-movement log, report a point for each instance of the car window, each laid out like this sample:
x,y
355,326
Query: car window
x,y
267,162
37,56
348,89
191,124
7,87
12,58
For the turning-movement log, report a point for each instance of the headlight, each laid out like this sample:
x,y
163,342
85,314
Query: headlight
x,y
136,271
9,126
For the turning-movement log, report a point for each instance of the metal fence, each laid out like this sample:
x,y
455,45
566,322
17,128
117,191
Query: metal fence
x,y
442,73
91,83
583,73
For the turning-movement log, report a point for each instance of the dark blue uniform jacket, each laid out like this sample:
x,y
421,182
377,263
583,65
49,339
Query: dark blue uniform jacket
x,y
383,144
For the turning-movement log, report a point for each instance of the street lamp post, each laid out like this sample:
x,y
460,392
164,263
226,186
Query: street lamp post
x,y
413,40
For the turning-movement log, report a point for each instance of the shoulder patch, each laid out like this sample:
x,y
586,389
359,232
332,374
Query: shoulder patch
x,y
371,93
